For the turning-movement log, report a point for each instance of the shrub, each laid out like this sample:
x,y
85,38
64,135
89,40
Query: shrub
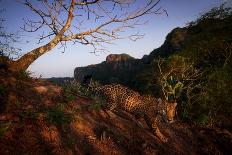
x,y
97,105
4,127
23,74
2,89
57,116
71,89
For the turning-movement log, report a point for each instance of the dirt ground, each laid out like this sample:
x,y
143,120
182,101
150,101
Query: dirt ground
x,y
26,129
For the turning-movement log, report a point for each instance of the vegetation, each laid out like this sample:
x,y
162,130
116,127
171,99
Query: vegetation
x,y
202,70
2,89
37,116
4,127
97,105
193,67
23,74
70,89
57,115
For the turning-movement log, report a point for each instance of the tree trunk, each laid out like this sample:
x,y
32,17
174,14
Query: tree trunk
x,y
26,60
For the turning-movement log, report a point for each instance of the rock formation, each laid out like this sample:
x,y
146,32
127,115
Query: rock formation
x,y
122,68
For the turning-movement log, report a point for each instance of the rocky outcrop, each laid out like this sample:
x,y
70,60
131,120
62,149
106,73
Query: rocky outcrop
x,y
173,43
114,69
118,57
124,69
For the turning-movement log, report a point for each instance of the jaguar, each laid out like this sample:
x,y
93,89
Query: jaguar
x,y
151,109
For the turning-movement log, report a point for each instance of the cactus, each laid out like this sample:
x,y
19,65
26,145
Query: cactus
x,y
173,88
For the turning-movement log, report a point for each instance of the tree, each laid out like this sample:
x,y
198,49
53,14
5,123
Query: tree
x,y
63,20
176,74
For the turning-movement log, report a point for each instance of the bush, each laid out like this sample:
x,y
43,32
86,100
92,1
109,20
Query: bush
x,y
4,127
57,116
97,105
204,69
71,89
2,89
218,95
23,75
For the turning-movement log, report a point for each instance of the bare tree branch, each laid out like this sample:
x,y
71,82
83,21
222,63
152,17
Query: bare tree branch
x,y
64,21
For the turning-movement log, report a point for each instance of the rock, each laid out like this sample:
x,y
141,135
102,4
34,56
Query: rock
x,y
124,69
118,57
114,64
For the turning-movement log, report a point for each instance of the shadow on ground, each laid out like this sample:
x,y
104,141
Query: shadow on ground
x,y
35,120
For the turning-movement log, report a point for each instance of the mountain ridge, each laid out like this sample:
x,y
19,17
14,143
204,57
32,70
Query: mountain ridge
x,y
121,68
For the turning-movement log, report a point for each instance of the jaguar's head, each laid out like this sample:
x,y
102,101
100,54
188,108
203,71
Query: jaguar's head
x,y
169,110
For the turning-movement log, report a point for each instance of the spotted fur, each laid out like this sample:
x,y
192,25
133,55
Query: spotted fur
x,y
148,107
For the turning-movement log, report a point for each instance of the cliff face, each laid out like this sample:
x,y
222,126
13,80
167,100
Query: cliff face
x,y
114,69
122,68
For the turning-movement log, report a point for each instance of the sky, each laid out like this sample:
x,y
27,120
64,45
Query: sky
x,y
55,63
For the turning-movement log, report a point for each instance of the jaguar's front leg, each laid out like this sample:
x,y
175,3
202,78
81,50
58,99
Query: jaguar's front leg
x,y
157,131
111,107
110,113
153,124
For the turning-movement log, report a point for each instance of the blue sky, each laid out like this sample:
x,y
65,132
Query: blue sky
x,y
58,64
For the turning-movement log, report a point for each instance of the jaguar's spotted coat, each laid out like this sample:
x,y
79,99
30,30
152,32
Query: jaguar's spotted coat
x,y
148,107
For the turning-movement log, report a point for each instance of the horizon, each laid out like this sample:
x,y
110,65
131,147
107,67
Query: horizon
x,y
58,64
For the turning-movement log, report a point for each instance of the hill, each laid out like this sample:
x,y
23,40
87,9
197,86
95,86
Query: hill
x,y
38,117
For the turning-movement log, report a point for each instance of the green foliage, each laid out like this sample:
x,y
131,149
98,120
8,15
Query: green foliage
x,y
218,95
2,89
144,81
23,74
94,84
4,127
185,115
17,103
71,142
72,86
175,74
173,88
203,120
216,13
31,114
202,70
71,89
69,97
96,105
57,116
